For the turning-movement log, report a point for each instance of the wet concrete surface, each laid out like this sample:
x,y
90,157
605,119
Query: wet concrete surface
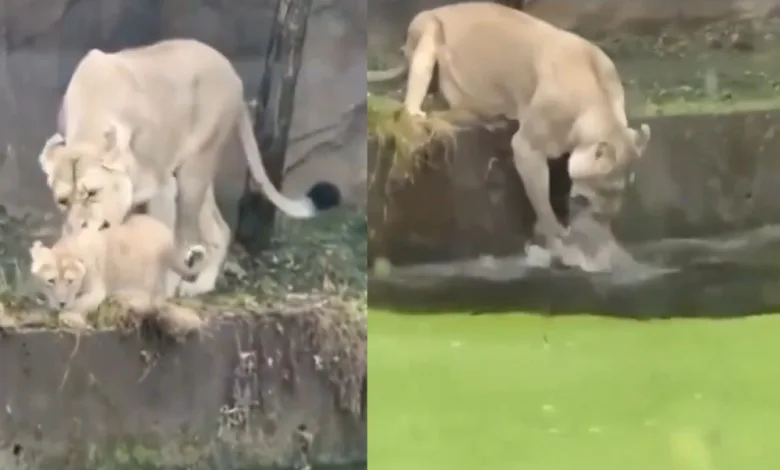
x,y
734,275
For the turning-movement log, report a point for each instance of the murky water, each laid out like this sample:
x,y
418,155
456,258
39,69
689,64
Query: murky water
x,y
361,466
732,275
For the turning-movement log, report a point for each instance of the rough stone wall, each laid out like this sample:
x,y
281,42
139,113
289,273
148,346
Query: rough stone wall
x,y
45,40
701,175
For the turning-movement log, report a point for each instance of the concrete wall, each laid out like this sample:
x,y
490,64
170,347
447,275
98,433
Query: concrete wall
x,y
237,394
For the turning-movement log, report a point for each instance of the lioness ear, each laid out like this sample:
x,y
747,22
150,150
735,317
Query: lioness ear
x,y
641,138
118,136
48,155
38,255
82,267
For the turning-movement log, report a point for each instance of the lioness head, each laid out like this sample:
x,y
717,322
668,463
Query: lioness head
x,y
616,153
60,272
90,181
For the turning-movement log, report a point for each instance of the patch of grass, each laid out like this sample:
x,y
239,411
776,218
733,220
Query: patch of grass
x,y
519,391
326,254
407,135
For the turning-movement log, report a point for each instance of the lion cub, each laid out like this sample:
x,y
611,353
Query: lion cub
x,y
129,261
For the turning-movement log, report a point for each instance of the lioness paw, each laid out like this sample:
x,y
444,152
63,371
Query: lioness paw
x,y
418,113
195,255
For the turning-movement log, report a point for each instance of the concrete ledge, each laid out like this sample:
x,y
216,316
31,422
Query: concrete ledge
x,y
253,389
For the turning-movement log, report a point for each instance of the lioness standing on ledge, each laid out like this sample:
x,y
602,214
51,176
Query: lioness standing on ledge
x,y
133,118
497,62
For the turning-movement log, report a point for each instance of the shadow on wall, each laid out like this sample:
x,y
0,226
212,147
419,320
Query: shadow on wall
x,y
45,40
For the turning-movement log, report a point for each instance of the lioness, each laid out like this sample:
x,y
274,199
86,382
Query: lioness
x,y
496,62
133,118
130,259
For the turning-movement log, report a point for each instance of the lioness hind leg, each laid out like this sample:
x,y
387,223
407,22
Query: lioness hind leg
x,y
193,184
421,67
195,176
217,237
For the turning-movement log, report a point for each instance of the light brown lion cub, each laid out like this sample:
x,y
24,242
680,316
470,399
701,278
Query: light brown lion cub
x,y
129,261
496,62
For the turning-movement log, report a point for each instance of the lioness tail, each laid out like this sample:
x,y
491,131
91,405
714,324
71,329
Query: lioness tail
x,y
302,208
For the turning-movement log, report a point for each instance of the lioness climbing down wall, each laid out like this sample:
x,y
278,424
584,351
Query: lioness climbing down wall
x,y
496,62
133,118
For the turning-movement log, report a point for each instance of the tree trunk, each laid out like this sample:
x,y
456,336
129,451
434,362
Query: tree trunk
x,y
273,115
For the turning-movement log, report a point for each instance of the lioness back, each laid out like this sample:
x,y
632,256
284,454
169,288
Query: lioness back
x,y
497,57
166,87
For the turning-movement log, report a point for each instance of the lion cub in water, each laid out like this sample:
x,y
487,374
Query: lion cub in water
x,y
129,261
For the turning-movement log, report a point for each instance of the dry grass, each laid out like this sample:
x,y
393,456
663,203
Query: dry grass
x,y
408,136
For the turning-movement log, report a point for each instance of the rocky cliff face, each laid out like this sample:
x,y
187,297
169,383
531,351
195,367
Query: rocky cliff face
x,y
43,40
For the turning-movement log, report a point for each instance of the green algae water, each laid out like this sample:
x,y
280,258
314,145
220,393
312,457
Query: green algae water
x,y
679,376
461,392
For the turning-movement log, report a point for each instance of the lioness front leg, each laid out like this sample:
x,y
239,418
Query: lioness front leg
x,y
193,182
421,67
217,237
531,164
